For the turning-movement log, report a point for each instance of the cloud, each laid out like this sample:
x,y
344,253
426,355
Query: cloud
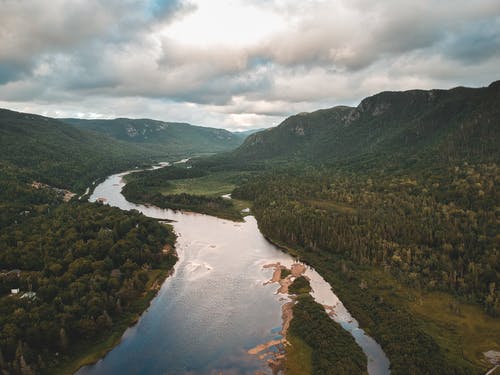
x,y
30,30
236,63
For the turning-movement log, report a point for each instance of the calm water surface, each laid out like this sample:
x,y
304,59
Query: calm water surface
x,y
215,306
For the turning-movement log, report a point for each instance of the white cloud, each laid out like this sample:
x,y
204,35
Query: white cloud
x,y
236,63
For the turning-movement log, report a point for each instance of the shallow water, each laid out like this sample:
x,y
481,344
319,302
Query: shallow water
x,y
215,306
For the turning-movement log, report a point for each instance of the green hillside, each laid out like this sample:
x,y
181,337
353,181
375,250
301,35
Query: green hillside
x,y
390,127
163,136
65,256
394,203
50,151
244,134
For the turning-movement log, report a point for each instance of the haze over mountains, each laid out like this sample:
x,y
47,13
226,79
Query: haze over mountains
x,y
72,153
172,137
391,127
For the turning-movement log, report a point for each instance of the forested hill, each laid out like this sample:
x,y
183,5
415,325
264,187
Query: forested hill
x,y
83,271
171,136
48,150
443,125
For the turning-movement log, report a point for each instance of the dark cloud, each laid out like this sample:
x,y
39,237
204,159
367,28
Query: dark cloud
x,y
12,71
321,53
475,42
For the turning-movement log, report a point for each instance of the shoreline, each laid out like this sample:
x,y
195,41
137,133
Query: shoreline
x,y
96,351
274,351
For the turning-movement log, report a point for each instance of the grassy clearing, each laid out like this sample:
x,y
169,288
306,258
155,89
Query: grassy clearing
x,y
463,329
214,184
332,206
241,205
298,357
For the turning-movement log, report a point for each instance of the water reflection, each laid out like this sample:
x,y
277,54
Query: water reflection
x,y
215,306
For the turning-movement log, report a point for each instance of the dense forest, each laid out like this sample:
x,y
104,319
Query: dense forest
x,y
171,137
82,271
432,231
73,276
405,184
333,349
47,150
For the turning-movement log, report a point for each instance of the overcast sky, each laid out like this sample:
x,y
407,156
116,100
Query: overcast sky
x,y
236,64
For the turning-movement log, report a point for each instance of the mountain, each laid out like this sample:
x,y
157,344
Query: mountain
x,y
47,237
163,136
404,126
48,150
246,133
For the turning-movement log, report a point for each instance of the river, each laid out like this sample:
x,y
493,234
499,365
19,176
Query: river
x,y
215,306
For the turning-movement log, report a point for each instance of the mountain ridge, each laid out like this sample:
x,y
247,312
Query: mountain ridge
x,y
174,136
50,151
455,122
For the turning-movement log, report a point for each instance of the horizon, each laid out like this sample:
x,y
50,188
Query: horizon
x,y
243,129
236,65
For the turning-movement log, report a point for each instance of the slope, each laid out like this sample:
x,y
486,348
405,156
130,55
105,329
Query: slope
x,y
442,125
48,247
172,136
48,150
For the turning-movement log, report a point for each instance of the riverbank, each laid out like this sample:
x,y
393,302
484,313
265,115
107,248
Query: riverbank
x,y
433,320
198,234
310,342
313,342
183,188
212,206
89,353
274,351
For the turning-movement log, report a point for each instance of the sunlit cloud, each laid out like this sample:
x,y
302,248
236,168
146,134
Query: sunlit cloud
x,y
235,64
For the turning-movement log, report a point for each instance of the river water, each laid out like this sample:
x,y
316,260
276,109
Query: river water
x,y
215,307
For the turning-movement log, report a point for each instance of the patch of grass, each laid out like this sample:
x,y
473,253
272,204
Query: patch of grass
x,y
332,206
300,286
298,357
476,332
213,184
285,272
240,205
463,329
188,189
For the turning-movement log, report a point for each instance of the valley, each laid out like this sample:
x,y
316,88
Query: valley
x,y
249,187
395,226
392,202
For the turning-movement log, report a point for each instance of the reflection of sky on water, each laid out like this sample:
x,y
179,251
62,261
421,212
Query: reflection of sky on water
x,y
215,306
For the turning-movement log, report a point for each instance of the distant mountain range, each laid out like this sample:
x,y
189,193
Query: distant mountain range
x,y
389,127
392,128
171,137
71,153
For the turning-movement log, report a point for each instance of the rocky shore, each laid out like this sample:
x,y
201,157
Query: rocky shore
x,y
274,351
